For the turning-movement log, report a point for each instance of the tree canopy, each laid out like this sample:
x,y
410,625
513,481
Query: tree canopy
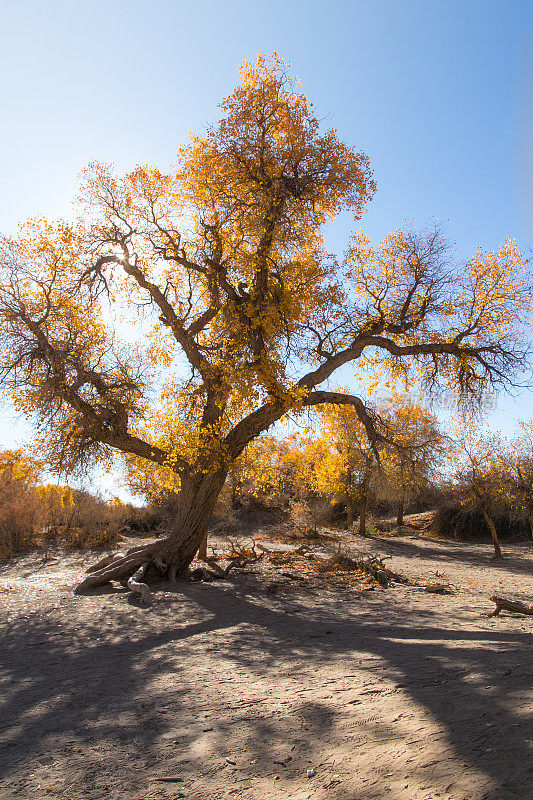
x,y
243,314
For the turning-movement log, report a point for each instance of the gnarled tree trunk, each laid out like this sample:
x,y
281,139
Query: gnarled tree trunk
x,y
202,552
197,500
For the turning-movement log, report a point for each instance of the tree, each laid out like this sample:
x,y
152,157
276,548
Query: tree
x,y
281,468
245,315
480,479
518,465
418,449
351,462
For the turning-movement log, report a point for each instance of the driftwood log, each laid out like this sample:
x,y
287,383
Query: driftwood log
x,y
371,565
514,606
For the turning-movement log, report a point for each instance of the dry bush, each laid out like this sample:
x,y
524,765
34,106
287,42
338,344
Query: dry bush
x,y
94,522
304,518
452,521
19,518
156,517
90,538
40,515
19,507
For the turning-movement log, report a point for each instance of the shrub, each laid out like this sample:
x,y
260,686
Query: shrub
x,y
19,507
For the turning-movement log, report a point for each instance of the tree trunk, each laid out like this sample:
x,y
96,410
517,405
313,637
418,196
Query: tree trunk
x,y
234,484
349,500
197,500
349,511
530,518
362,514
202,552
399,518
363,495
493,533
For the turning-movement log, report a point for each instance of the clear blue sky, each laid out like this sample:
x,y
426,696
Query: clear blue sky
x,y
439,93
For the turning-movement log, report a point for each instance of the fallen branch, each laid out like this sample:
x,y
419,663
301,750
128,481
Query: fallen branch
x,y
249,553
513,606
375,567
219,573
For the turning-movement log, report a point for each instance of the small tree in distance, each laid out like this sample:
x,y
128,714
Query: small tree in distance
x,y
349,465
418,451
518,465
245,315
481,479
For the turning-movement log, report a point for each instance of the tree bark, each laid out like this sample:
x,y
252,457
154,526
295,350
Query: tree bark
x,y
399,518
349,511
202,552
363,495
349,500
234,483
197,500
530,519
493,533
362,514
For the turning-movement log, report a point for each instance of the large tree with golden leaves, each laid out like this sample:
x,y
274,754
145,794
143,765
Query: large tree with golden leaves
x,y
243,315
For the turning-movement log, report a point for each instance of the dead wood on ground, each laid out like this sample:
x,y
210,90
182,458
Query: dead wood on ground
x,y
513,606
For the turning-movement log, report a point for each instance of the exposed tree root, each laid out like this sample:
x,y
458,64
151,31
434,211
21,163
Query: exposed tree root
x,y
115,568
136,584
130,567
171,574
514,606
104,562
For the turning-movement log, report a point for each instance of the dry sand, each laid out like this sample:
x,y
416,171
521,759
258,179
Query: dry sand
x,y
222,690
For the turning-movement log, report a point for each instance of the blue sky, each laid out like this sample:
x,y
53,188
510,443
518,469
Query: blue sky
x,y
439,94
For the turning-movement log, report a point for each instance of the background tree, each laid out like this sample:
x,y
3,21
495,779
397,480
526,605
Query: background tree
x,y
481,479
245,315
518,465
414,460
349,464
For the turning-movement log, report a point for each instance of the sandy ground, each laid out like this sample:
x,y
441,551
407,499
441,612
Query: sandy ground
x,y
222,690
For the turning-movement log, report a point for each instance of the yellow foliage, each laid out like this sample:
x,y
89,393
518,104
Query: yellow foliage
x,y
240,313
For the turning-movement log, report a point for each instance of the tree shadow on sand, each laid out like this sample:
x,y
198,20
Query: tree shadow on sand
x,y
458,552
85,687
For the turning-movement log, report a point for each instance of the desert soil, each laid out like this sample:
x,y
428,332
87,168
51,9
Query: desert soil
x,y
224,690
